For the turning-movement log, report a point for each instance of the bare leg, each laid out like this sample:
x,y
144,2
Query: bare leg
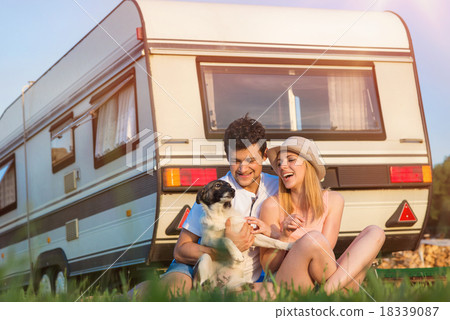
x,y
355,261
139,291
310,259
265,290
178,283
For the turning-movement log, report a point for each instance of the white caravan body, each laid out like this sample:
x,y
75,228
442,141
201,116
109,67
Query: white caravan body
x,y
101,158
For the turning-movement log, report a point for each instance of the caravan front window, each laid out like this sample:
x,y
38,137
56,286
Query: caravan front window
x,y
8,200
316,101
115,122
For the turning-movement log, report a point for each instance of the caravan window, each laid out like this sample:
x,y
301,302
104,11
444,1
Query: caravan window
x,y
115,121
62,143
8,198
316,101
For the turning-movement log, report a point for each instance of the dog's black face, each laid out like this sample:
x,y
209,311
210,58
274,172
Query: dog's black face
x,y
216,191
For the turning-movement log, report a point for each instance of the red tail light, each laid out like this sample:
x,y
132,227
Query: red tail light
x,y
405,174
187,177
196,176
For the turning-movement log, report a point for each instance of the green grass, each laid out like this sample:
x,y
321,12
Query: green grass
x,y
380,290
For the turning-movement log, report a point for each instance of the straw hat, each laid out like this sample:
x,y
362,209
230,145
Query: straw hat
x,y
305,148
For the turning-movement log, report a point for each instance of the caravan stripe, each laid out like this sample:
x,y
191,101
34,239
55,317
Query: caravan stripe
x,y
98,253
135,188
104,261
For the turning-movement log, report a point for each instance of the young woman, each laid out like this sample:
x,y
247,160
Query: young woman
x,y
305,213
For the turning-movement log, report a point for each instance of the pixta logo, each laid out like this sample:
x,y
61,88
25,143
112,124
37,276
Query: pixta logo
x,y
146,143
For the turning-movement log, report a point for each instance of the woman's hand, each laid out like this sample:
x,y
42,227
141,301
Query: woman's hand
x,y
290,224
258,226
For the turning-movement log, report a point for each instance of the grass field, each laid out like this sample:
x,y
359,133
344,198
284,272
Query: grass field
x,y
376,290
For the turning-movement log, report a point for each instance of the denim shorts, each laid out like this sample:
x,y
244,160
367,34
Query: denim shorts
x,y
187,269
265,277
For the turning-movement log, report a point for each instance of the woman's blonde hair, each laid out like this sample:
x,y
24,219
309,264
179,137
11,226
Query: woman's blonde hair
x,y
312,191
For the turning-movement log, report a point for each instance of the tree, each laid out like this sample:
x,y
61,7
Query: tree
x,y
440,202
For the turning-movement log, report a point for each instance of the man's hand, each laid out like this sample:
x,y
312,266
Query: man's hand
x,y
242,239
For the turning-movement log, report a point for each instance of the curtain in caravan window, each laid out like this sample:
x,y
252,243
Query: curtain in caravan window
x,y
106,128
348,110
7,185
126,123
317,100
4,170
116,123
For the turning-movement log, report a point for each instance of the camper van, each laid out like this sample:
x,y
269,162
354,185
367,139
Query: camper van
x,y
102,156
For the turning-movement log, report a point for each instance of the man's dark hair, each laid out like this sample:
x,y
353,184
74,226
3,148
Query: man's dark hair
x,y
243,131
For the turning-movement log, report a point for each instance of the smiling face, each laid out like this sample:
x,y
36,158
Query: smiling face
x,y
246,167
291,169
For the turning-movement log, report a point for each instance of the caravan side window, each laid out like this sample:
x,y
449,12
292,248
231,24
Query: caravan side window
x,y
62,143
8,191
319,101
115,119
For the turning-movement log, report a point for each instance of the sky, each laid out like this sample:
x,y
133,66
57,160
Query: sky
x,y
36,33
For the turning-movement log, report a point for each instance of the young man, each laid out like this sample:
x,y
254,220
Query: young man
x,y
245,147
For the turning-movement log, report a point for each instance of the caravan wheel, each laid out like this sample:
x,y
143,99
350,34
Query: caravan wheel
x,y
60,283
45,284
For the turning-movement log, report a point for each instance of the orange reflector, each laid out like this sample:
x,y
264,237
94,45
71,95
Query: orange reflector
x,y
139,34
172,177
426,172
3,255
128,213
407,214
49,240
